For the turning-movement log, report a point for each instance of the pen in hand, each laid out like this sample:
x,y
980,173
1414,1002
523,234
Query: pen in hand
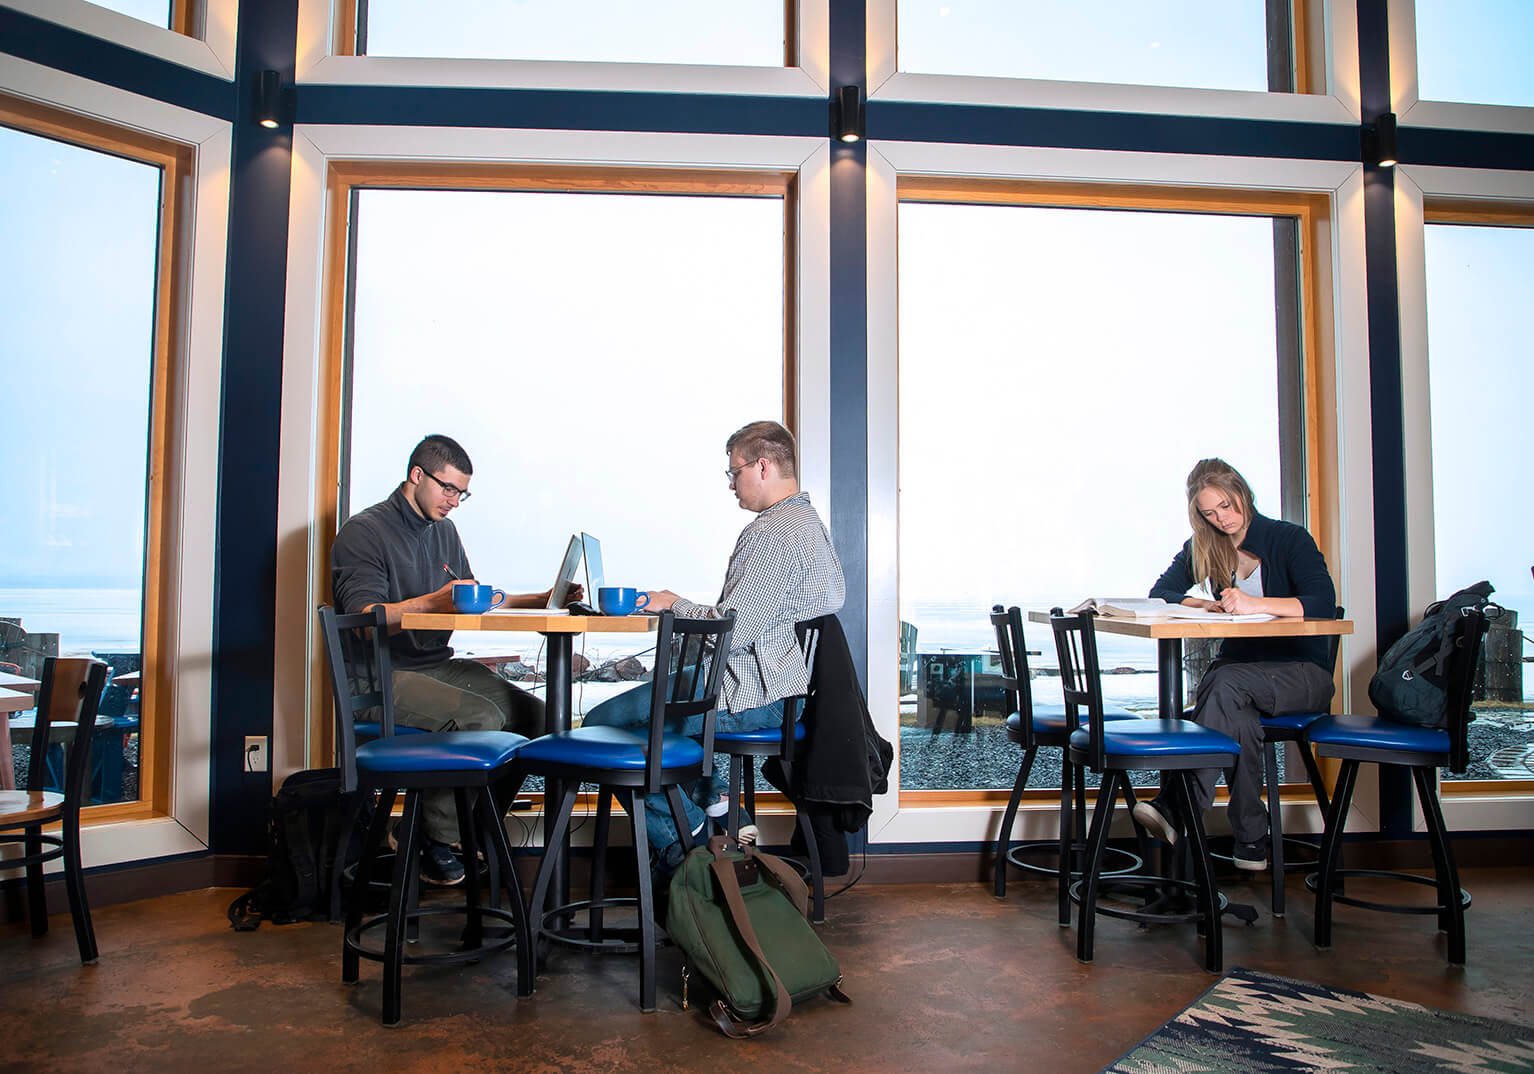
x,y
450,573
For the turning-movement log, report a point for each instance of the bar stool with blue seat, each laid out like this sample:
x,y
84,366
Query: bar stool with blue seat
x,y
1032,726
1115,748
628,765
744,747
472,764
1358,739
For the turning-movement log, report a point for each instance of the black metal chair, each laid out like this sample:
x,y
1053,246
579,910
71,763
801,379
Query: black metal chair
x,y
1374,739
1115,748
1032,726
471,763
1284,729
744,747
627,766
70,692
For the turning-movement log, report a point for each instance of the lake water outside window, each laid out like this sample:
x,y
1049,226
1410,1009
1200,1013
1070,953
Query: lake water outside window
x,y
1475,51
1480,281
77,292
742,33
1211,44
592,353
1061,370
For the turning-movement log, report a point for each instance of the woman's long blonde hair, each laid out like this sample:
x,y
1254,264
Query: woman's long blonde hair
x,y
1214,556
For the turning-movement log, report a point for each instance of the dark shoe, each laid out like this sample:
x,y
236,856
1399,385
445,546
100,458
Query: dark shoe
x,y
1253,857
1149,816
438,866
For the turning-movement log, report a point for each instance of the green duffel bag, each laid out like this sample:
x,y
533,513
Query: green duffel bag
x,y
740,918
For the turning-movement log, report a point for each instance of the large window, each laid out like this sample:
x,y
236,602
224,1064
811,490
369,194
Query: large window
x,y
1212,44
1061,369
1475,51
743,32
83,338
1479,284
592,351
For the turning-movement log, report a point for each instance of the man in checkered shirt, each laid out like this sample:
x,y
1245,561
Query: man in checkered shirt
x,y
783,571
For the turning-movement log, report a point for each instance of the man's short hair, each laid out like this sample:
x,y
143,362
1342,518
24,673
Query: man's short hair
x,y
437,451
765,440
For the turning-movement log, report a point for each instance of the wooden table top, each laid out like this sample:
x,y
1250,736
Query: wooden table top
x,y
11,681
16,701
1284,626
526,622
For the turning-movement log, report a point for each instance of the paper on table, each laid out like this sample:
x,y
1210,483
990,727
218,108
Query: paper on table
x,y
1156,608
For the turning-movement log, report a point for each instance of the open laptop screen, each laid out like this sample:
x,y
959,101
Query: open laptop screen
x,y
594,582
559,593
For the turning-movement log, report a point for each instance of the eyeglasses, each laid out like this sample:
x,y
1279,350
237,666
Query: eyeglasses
x,y
734,471
452,492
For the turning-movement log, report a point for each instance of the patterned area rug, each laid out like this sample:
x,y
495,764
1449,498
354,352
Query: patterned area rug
x,y
1251,1021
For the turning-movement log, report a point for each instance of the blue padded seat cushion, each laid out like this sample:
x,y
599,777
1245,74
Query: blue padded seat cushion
x,y
367,730
1157,738
766,735
1292,721
1050,720
439,751
1377,733
609,747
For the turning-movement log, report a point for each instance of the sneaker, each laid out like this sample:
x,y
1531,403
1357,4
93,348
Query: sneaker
x,y
1253,857
1149,816
747,835
718,809
438,866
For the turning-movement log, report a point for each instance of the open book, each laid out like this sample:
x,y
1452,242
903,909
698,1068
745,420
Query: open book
x,y
1156,608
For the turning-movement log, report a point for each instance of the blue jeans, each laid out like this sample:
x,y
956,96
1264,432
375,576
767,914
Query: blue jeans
x,y
630,710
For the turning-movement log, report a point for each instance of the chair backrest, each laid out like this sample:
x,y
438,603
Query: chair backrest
x,y
1081,680
793,707
1459,681
70,694
1334,642
1015,685
361,679
690,655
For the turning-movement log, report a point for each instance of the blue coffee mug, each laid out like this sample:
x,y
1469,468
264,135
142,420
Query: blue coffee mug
x,y
620,600
470,598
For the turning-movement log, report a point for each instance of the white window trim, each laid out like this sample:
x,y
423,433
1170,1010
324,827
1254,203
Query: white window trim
x,y
300,568
317,65
1340,104
1347,350
1411,110
194,433
1414,184
213,55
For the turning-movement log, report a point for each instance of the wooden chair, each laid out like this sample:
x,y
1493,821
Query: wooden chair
x,y
70,693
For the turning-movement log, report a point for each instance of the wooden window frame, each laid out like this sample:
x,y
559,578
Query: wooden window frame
x,y
1312,212
345,177
161,537
1472,213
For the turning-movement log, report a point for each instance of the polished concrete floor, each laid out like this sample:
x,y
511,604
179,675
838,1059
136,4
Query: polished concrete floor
x,y
944,978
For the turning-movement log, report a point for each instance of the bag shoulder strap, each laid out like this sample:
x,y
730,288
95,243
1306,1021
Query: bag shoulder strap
x,y
724,872
788,881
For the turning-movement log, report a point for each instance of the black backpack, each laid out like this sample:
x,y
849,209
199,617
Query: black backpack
x,y
1409,687
311,822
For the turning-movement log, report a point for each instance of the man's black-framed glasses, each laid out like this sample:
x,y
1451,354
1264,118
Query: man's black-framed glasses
x,y
453,492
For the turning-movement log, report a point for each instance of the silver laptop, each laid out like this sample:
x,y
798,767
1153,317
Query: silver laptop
x,y
593,551
559,593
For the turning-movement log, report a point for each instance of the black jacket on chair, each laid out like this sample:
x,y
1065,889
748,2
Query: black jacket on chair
x,y
842,762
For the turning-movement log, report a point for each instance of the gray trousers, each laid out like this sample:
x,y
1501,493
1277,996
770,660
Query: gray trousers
x,y
460,695
1231,699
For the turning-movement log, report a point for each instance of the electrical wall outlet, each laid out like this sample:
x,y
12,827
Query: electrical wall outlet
x,y
255,753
